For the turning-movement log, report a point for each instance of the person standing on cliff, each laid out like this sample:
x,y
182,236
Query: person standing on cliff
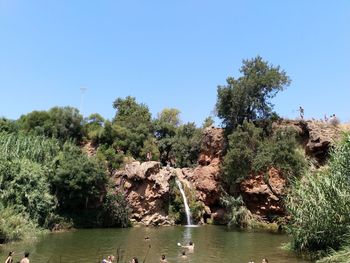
x,y
301,111
149,156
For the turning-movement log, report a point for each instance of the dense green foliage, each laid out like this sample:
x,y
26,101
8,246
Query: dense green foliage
x,y
341,256
48,184
132,126
24,186
319,205
15,225
248,97
35,148
64,123
77,180
249,151
238,215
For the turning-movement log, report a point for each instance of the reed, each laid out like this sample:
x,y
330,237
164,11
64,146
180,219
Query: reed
x,y
35,148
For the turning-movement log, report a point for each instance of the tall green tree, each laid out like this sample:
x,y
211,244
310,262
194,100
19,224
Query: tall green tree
x,y
166,126
249,96
132,126
64,123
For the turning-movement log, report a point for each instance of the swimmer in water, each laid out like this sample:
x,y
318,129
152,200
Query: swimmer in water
x,y
190,246
163,259
264,260
183,255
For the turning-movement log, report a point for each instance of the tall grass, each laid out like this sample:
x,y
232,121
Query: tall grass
x,y
35,148
319,205
341,256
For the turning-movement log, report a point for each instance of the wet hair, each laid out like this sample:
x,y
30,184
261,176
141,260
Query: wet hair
x,y
135,260
26,254
184,253
191,243
10,253
163,256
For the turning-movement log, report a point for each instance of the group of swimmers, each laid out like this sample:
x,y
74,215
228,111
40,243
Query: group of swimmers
x,y
25,259
163,259
111,258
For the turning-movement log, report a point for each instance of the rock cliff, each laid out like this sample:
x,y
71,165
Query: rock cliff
x,y
147,185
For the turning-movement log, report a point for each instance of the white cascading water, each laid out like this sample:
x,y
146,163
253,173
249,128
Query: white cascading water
x,y
187,208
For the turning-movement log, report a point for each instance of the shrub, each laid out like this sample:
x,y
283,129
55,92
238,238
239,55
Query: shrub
x,y
77,180
242,148
238,215
24,186
15,226
115,210
250,152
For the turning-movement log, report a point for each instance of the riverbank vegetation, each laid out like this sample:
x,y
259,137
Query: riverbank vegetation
x,y
319,205
46,183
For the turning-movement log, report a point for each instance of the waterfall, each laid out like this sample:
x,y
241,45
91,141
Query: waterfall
x,y
187,208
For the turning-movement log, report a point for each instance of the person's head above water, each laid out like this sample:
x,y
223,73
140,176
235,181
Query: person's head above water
x,y
10,253
135,260
264,260
184,253
190,243
163,256
26,254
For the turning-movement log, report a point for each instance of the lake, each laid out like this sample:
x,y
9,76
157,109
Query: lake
x,y
213,244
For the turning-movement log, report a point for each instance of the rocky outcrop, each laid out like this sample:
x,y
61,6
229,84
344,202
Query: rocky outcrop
x,y
89,149
317,137
213,143
146,185
263,194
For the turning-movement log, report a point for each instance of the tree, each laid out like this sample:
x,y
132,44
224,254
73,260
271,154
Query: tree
x,y
131,126
243,145
77,180
64,123
208,122
7,125
93,127
165,127
248,97
186,145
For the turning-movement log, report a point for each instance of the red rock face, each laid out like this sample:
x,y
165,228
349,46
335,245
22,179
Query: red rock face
x,y
262,194
146,185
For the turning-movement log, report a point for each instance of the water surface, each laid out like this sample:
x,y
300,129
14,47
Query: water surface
x,y
213,244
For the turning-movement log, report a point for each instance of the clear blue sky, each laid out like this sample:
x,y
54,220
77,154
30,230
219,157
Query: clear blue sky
x,y
170,53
